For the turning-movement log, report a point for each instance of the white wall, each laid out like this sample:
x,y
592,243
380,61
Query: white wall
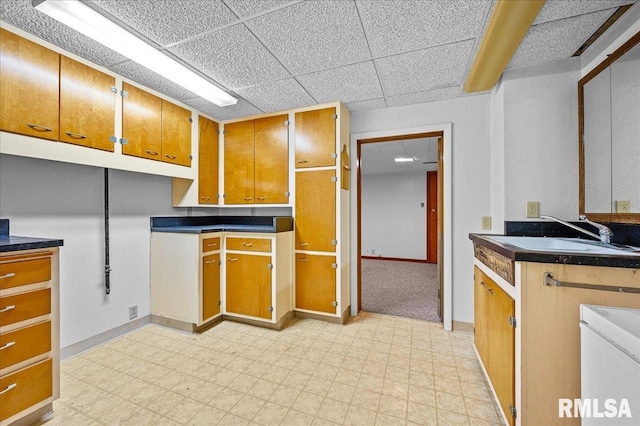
x,y
471,174
394,224
59,200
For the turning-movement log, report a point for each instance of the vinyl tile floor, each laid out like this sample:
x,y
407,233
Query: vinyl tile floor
x,y
375,370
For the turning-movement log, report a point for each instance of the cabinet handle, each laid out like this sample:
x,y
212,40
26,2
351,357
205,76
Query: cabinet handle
x,y
303,244
8,388
247,198
212,245
7,309
209,262
8,345
39,128
261,198
170,157
233,259
302,259
206,198
75,135
9,275
247,244
148,151
302,161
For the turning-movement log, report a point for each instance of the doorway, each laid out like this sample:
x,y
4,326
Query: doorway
x,y
399,272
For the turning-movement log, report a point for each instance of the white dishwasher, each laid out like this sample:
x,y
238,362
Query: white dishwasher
x,y
610,364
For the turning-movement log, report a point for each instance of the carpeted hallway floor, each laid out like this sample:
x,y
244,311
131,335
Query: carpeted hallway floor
x,y
404,289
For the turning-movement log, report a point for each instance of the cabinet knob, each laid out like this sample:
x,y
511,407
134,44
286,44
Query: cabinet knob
x,y
75,135
148,151
39,128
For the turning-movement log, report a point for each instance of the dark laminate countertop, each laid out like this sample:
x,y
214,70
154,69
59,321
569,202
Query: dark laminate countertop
x,y
14,243
203,224
521,255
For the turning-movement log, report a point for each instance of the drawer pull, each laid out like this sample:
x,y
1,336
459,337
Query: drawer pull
x,y
9,275
170,157
302,162
148,151
233,259
212,245
302,259
209,262
206,198
7,309
247,244
248,198
261,198
303,244
8,345
11,386
75,135
39,128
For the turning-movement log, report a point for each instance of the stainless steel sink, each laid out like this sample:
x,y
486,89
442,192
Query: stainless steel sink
x,y
569,245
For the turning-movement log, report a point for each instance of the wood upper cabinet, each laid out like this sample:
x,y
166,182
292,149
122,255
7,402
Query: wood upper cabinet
x,y
315,138
87,105
29,87
176,134
248,285
210,286
316,210
154,128
316,283
141,123
239,163
271,138
207,161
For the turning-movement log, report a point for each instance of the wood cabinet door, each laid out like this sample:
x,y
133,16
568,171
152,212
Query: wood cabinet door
x,y
141,123
480,312
29,87
316,210
315,138
271,160
239,159
316,283
207,161
87,105
210,285
176,134
248,285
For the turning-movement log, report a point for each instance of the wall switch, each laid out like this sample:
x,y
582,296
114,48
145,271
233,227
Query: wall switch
x,y
486,223
623,206
133,312
533,208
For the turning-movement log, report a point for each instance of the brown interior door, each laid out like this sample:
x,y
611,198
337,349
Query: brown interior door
x,y
176,134
141,123
271,160
87,105
239,162
315,283
210,285
207,161
29,87
432,217
315,138
248,285
316,210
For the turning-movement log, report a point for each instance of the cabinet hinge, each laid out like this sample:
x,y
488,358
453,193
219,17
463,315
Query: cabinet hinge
x,y
114,89
287,122
191,157
334,116
190,120
219,302
219,263
334,303
512,321
334,155
270,266
439,295
287,194
334,242
334,265
334,178
224,195
270,309
218,196
513,411
124,93
113,139
123,141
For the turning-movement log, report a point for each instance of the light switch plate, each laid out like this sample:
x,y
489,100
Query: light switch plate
x,y
623,206
533,208
486,223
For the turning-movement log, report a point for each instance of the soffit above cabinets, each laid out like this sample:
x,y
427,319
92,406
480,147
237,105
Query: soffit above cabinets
x,y
378,158
284,54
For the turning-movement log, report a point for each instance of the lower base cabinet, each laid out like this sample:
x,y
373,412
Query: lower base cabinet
x,y
316,283
210,286
248,285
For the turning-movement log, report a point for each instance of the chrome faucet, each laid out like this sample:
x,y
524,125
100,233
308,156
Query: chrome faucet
x,y
605,232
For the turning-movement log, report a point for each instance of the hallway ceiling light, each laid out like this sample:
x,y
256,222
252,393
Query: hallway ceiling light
x,y
404,159
92,24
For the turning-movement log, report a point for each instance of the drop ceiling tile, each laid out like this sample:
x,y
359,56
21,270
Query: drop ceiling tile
x,y
423,97
233,57
400,26
150,79
556,40
277,96
241,109
427,69
347,84
313,35
21,14
366,105
167,22
560,9
246,8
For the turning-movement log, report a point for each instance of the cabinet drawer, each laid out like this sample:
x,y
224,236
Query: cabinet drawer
x,y
25,387
211,244
29,271
24,343
20,307
249,244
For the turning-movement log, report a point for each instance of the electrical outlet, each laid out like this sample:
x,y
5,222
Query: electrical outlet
x,y
133,312
373,251
486,223
623,206
533,208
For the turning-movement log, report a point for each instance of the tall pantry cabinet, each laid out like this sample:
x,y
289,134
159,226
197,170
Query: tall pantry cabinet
x,y
321,213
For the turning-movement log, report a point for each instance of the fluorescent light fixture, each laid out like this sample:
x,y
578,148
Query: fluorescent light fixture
x,y
90,23
404,159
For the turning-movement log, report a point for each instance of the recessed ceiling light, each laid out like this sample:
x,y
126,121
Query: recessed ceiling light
x,y
92,24
404,159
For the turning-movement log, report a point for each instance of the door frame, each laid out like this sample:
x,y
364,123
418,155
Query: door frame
x,y
445,168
